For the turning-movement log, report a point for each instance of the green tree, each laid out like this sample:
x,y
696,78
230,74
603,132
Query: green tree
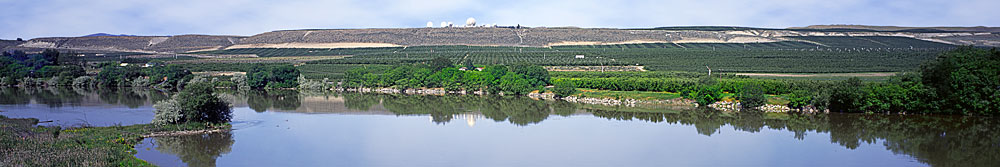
x,y
799,99
564,89
707,94
167,76
283,76
200,104
848,96
515,84
257,77
440,62
537,75
751,96
51,56
965,80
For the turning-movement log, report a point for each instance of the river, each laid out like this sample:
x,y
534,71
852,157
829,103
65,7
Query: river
x,y
290,128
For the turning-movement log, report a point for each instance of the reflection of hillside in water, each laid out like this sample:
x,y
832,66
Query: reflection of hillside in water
x,y
932,139
73,96
196,150
937,140
442,109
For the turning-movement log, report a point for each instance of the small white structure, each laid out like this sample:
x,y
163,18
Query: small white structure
x,y
430,24
444,24
579,56
471,22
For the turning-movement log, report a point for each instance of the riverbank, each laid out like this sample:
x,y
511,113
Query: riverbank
x,y
600,97
591,96
24,143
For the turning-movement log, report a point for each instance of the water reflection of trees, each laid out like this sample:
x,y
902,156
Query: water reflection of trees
x,y
73,96
260,100
197,150
442,109
935,140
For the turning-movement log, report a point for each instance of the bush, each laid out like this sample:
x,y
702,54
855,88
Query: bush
x,y
515,84
199,104
167,112
564,89
240,81
54,81
30,82
966,80
7,81
848,96
799,99
311,84
282,76
751,96
139,82
707,94
821,100
84,81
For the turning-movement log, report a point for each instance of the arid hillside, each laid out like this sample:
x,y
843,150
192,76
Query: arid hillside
x,y
489,36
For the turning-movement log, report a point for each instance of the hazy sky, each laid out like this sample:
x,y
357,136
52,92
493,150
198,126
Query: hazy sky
x,y
44,18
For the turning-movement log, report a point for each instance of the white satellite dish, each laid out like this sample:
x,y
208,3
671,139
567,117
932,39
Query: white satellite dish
x,y
471,22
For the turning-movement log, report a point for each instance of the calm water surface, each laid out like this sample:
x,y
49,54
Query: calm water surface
x,y
288,128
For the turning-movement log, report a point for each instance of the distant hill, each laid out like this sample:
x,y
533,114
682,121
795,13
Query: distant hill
x,y
9,43
525,37
108,35
899,28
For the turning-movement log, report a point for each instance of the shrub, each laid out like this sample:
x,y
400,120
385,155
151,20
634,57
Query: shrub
x,y
821,100
54,81
7,81
564,89
167,112
199,104
515,84
310,84
751,96
240,81
966,80
84,81
848,96
799,99
140,82
707,94
30,82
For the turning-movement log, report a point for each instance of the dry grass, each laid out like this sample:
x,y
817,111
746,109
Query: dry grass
x,y
289,59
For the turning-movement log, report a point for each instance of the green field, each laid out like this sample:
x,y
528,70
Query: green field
x,y
808,55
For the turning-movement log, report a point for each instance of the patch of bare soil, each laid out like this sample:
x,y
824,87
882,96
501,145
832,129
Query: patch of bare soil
x,y
877,74
314,45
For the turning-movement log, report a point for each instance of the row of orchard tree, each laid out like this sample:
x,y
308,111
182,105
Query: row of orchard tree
x,y
442,73
961,81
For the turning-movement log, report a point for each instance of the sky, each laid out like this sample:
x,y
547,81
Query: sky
x,y
59,18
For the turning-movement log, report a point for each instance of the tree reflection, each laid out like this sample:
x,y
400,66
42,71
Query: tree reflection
x,y
13,96
73,96
933,139
197,150
261,100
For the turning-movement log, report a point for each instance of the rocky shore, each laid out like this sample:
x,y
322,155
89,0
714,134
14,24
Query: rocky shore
x,y
721,105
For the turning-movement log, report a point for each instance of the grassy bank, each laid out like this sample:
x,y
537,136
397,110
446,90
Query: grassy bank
x,y
650,95
637,95
23,143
